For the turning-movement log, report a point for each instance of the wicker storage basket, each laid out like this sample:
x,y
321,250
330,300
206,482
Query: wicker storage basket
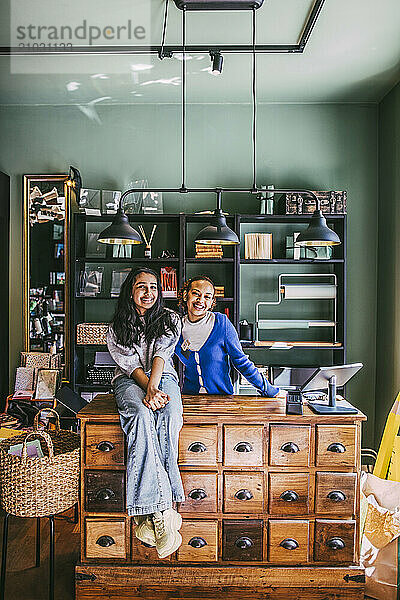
x,y
91,333
37,487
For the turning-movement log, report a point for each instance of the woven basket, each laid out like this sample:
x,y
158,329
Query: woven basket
x,y
91,333
37,487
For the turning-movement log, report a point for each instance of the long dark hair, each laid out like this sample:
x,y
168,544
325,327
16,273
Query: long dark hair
x,y
127,324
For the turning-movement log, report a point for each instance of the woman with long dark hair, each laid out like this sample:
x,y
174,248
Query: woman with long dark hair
x,y
141,339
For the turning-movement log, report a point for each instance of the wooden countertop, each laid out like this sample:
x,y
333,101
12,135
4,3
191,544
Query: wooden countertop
x,y
238,407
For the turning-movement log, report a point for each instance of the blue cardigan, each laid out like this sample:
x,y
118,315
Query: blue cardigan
x,y
221,347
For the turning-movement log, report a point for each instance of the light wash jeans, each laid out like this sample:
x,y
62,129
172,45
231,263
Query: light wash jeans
x,y
153,478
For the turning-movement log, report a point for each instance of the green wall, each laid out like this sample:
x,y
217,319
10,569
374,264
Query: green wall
x,y
388,314
329,146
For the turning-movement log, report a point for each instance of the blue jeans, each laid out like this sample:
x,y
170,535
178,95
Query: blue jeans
x,y
153,480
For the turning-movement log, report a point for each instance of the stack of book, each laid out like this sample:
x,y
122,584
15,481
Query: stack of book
x,y
209,251
219,291
258,245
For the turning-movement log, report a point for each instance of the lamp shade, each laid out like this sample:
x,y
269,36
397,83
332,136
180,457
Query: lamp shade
x,y
317,233
217,232
120,232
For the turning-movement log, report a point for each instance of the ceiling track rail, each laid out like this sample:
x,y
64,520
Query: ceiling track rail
x,y
169,50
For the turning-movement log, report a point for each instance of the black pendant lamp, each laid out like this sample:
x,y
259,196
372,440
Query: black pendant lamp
x,y
217,232
317,233
120,232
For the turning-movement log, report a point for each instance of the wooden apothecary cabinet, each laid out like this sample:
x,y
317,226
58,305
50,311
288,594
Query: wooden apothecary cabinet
x,y
271,510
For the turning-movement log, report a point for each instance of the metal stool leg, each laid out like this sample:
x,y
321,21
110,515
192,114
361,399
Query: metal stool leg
x,y
4,557
51,581
37,564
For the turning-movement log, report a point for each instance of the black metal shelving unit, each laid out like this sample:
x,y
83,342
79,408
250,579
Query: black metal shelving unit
x,y
176,233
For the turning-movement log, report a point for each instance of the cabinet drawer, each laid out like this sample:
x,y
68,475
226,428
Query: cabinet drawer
x,y
199,541
104,445
242,540
106,538
200,492
336,445
289,445
243,492
198,445
289,493
288,541
335,493
334,541
142,553
243,445
105,491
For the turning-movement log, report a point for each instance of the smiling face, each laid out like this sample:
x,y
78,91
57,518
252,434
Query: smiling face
x,y
144,292
200,298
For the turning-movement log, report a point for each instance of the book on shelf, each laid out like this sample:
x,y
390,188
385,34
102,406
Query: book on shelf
x,y
209,251
219,291
258,245
169,282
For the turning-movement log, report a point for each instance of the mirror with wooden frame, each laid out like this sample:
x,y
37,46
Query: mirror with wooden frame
x,y
46,223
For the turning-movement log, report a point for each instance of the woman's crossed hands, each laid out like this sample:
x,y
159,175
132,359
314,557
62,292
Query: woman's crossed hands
x,y
155,398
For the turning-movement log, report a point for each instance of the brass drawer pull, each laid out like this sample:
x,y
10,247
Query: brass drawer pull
x,y
336,543
289,544
105,541
243,447
289,496
105,494
105,446
244,543
336,447
243,495
290,447
197,494
197,447
197,542
336,496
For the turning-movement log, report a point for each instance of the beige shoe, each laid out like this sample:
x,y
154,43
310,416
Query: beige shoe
x,y
168,538
144,530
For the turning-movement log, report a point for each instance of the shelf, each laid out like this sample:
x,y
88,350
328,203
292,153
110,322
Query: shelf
x,y
138,217
209,260
126,260
289,218
223,299
93,388
290,261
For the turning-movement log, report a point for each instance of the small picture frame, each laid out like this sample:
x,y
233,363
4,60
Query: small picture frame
x,y
90,202
58,250
94,249
152,202
110,201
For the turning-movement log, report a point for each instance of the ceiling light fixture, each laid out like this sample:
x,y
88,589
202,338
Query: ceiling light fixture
x,y
217,61
120,232
217,232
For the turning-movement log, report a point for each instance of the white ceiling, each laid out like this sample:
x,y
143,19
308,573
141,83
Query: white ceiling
x,y
353,56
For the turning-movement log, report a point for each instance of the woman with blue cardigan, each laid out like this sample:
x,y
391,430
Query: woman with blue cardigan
x,y
209,343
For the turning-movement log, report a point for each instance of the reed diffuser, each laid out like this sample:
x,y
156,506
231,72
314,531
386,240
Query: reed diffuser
x,y
147,250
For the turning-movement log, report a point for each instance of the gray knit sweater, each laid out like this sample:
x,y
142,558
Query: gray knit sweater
x,y
142,354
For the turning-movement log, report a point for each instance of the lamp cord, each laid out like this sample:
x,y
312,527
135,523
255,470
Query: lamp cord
x,y
161,53
183,187
254,140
